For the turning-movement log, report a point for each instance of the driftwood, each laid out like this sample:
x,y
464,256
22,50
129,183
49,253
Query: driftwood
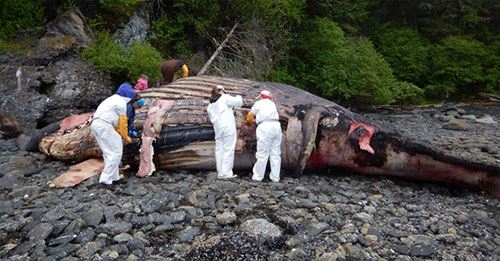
x,y
205,67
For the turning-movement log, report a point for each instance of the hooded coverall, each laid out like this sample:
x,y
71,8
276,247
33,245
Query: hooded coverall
x,y
220,112
268,140
106,118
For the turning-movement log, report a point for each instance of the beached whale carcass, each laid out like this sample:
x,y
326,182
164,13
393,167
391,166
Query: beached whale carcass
x,y
317,133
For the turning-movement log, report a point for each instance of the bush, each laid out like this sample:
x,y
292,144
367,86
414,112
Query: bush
x,y
169,37
347,68
20,14
143,59
461,67
110,56
123,7
408,54
107,53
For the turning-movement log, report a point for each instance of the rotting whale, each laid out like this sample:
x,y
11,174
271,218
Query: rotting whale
x,y
317,133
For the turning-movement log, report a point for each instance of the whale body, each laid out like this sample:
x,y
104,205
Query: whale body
x,y
317,133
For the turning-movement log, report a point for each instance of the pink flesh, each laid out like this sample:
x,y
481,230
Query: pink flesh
x,y
73,122
364,141
155,114
79,172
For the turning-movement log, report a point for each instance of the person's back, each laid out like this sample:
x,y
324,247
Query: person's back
x,y
110,109
268,135
220,112
222,109
170,67
265,110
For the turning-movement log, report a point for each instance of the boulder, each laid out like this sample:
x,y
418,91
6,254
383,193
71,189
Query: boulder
x,y
55,81
456,124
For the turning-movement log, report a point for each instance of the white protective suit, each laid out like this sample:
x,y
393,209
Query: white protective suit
x,y
221,115
110,142
268,140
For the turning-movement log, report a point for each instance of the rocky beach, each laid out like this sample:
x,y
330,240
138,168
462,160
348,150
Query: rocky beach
x,y
327,215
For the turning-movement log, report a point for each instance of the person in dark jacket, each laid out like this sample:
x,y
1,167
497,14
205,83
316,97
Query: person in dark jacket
x,y
170,67
131,107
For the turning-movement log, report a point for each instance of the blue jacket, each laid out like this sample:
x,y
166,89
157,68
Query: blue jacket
x,y
130,116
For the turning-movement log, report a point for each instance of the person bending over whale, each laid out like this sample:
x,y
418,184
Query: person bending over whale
x,y
108,124
170,67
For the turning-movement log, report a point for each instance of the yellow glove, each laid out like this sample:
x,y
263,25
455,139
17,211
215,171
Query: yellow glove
x,y
185,71
123,127
249,118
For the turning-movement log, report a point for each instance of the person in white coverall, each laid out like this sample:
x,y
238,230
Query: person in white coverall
x,y
268,137
108,124
220,112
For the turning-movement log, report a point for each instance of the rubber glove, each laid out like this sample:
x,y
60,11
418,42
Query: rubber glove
x,y
185,71
122,128
132,133
250,117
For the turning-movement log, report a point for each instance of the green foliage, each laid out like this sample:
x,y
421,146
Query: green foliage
x,y
120,6
407,52
19,14
281,74
6,47
461,67
170,38
349,15
143,59
348,68
106,53
112,57
278,14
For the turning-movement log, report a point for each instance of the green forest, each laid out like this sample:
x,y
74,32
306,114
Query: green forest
x,y
355,52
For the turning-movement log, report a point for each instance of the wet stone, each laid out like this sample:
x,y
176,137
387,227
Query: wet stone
x,y
422,250
122,238
93,217
41,231
188,234
226,218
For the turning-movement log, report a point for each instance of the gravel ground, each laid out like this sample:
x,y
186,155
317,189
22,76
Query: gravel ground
x,y
193,216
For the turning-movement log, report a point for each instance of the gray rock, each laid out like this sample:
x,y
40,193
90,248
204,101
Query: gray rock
x,y
136,29
72,24
85,236
456,124
261,229
462,218
445,118
402,249
188,234
40,231
13,179
115,228
122,238
178,216
487,119
135,243
62,240
226,218
164,227
26,190
469,117
315,228
93,217
422,250
54,214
